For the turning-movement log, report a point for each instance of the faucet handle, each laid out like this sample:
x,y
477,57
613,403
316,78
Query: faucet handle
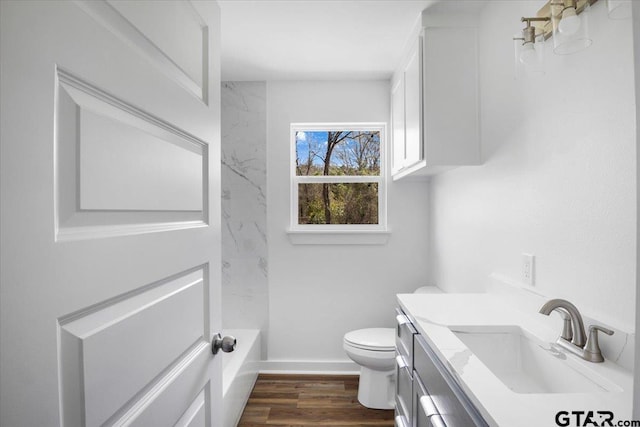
x,y
594,328
592,351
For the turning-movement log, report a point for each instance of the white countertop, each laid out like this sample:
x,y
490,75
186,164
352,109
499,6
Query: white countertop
x,y
434,315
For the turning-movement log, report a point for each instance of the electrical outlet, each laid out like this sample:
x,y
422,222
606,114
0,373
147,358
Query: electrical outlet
x,y
528,269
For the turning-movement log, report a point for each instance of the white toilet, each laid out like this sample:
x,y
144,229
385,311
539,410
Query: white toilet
x,y
374,349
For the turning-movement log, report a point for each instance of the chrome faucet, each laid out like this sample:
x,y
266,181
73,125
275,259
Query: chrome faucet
x,y
575,319
573,335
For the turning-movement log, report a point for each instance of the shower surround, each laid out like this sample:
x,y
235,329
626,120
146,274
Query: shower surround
x,y
244,246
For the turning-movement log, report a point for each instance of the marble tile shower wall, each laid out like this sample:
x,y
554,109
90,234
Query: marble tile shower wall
x,y
244,209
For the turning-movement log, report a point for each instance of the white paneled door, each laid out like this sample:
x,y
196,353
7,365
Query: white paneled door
x,y
110,222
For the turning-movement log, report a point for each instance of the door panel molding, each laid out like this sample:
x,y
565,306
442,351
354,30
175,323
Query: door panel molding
x,y
126,21
120,170
165,403
196,414
118,356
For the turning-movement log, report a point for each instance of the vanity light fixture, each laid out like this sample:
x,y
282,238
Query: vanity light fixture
x,y
565,21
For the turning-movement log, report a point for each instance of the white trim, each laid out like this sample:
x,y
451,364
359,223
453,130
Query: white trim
x,y
338,237
362,126
407,170
73,233
319,179
324,367
339,233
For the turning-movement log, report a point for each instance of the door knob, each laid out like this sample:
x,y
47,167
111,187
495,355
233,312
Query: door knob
x,y
226,344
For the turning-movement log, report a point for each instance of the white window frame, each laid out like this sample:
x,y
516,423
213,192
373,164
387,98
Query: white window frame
x,y
338,231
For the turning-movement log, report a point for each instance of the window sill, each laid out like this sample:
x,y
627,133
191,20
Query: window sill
x,y
338,237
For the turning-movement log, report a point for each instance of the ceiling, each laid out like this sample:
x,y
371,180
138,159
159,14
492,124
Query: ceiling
x,y
315,39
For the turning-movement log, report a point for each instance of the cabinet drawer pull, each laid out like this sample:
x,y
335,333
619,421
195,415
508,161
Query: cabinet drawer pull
x,y
400,421
401,363
402,319
436,421
428,407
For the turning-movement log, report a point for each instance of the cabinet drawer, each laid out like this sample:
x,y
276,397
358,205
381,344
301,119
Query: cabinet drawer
x,y
425,413
404,386
451,403
401,417
404,338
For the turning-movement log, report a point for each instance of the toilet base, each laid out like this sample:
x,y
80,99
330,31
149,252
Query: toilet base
x,y
376,389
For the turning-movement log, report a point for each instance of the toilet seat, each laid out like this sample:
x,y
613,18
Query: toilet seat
x,y
372,339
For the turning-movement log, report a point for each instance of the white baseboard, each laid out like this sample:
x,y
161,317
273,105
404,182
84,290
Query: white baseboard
x,y
310,367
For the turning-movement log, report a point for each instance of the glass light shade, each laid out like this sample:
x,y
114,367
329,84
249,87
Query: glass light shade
x,y
528,54
570,22
619,9
529,57
570,30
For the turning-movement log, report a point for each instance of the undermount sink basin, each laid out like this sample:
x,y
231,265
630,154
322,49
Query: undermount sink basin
x,y
527,365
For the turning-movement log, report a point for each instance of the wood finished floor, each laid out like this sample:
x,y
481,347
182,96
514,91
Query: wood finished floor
x,y
303,400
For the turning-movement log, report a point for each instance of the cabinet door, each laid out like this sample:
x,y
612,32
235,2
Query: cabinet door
x,y
450,83
397,123
413,105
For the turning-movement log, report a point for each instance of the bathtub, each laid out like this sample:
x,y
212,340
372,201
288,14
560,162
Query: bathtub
x,y
239,373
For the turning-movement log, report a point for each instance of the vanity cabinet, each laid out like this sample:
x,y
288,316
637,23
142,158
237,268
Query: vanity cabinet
x,y
427,394
434,99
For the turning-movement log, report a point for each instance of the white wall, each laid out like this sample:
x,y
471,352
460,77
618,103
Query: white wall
x,y
244,208
317,293
559,173
636,55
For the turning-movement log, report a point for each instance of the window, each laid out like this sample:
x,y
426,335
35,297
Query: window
x,y
338,177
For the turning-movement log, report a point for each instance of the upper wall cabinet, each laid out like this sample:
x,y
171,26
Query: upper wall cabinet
x,y
434,97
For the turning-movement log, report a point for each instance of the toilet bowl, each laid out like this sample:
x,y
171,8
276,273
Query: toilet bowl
x,y
374,350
